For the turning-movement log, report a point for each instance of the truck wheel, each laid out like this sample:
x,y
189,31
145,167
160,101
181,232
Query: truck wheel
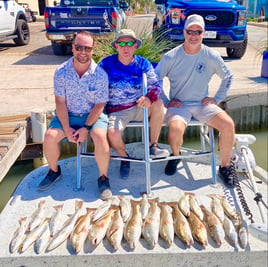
x,y
59,49
22,32
238,52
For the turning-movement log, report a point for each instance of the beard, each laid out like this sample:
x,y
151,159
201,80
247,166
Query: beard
x,y
82,58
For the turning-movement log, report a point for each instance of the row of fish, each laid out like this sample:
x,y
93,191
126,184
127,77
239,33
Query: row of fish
x,y
123,218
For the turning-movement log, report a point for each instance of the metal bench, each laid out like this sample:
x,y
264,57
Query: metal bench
x,y
206,137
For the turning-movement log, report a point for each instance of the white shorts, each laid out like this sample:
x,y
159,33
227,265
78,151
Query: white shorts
x,y
186,113
120,119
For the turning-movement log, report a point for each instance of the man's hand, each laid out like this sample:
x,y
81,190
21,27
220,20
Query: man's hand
x,y
208,101
174,103
80,135
144,102
70,134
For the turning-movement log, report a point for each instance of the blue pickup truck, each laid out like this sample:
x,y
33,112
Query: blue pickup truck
x,y
225,22
101,17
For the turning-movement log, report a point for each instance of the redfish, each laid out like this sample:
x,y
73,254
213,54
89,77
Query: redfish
x,y
166,230
150,228
132,230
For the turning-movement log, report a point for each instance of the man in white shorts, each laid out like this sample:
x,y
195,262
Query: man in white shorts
x,y
189,68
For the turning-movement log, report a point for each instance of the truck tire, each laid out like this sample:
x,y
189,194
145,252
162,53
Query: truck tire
x,y
59,49
22,32
238,52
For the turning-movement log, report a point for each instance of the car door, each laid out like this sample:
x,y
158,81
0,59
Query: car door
x,y
7,16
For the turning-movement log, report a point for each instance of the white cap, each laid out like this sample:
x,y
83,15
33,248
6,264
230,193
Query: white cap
x,y
194,20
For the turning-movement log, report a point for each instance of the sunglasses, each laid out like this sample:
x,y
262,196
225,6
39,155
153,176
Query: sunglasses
x,y
190,32
80,48
126,43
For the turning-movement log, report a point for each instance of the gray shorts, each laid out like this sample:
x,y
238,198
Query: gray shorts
x,y
186,113
120,119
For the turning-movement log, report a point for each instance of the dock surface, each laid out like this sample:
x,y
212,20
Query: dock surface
x,y
13,137
192,176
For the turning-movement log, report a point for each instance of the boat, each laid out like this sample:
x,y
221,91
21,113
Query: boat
x,y
193,176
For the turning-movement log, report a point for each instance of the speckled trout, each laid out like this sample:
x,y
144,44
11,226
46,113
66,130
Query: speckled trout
x,y
43,240
19,235
38,216
67,228
57,220
32,236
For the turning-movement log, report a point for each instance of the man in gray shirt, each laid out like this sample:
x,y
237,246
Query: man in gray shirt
x,y
189,68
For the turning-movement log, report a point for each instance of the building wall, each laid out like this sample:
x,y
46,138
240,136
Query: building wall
x,y
37,5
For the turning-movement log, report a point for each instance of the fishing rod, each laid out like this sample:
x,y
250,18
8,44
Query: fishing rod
x,y
244,161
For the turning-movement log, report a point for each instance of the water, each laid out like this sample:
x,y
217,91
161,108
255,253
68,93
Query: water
x,y
21,168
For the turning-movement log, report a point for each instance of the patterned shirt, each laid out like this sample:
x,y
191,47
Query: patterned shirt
x,y
81,93
125,82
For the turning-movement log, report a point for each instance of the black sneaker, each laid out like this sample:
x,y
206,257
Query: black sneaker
x,y
171,166
157,152
124,169
50,179
104,187
226,175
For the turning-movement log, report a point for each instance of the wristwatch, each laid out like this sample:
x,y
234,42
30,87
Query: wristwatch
x,y
88,127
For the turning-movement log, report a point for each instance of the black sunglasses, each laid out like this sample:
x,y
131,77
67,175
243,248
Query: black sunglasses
x,y
190,32
126,43
80,48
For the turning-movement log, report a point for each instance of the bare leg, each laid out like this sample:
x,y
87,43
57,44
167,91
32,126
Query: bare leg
x,y
116,142
101,150
156,114
176,129
225,125
51,147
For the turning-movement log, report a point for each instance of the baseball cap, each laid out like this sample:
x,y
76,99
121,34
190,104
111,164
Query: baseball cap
x,y
126,33
194,20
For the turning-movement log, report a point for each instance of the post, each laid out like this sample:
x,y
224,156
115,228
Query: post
x,y
39,126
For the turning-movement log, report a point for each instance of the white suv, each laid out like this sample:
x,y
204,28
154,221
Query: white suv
x,y
13,23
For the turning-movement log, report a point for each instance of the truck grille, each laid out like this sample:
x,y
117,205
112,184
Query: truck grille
x,y
223,18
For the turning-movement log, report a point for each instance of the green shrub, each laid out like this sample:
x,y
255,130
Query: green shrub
x,y
153,46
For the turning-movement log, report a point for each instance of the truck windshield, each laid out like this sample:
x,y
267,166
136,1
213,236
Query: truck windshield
x,y
89,3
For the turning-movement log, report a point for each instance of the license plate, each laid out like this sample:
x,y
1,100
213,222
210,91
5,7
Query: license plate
x,y
210,34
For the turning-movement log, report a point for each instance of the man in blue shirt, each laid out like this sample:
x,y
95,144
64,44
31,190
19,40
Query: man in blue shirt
x,y
126,100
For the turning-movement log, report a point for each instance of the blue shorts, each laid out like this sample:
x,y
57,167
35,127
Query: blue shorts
x,y
77,120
